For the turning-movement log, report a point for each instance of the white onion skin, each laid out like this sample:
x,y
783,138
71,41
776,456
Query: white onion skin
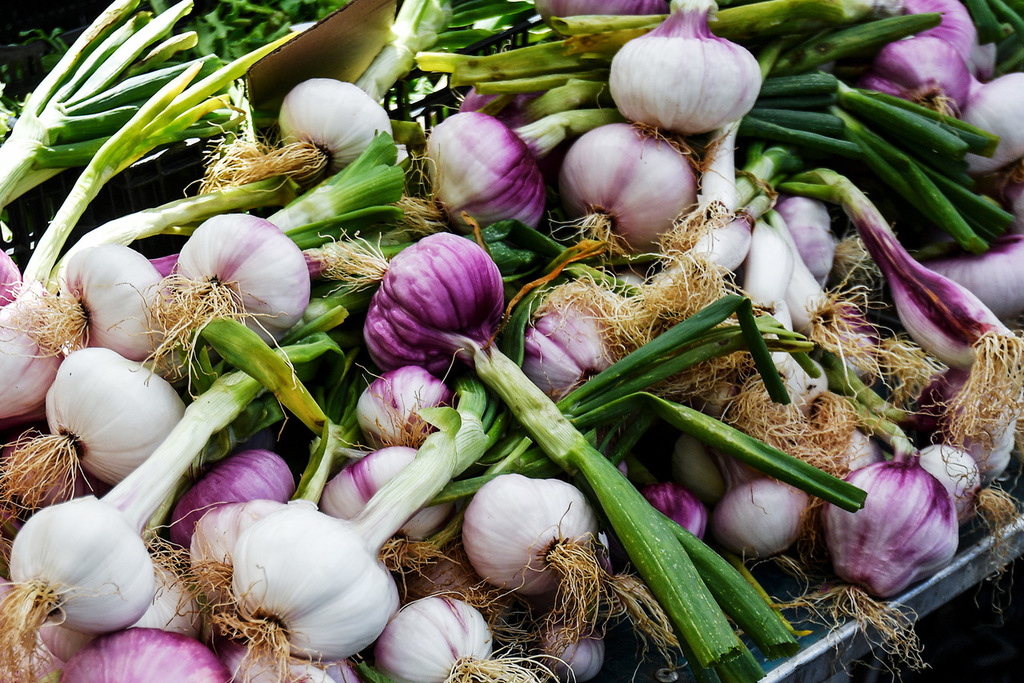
x,y
641,182
422,643
683,79
116,286
336,116
263,265
118,411
511,524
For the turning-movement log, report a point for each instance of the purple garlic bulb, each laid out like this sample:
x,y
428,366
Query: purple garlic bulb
x,y
924,69
906,531
388,409
439,296
248,475
562,348
481,168
675,501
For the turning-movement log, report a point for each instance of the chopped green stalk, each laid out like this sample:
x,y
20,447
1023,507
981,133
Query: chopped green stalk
x,y
911,129
575,94
815,122
599,23
544,135
744,448
188,211
989,28
981,142
415,29
645,535
137,89
540,83
863,40
817,83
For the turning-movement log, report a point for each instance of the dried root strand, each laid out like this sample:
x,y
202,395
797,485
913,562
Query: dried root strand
x,y
598,225
993,394
356,263
38,466
422,217
266,637
906,369
57,323
23,610
500,669
590,599
403,555
998,510
241,162
888,627
838,324
188,305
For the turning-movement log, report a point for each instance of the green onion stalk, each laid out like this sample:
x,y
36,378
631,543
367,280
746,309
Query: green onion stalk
x,y
164,118
99,84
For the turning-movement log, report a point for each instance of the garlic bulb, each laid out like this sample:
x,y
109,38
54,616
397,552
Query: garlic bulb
x,y
575,662
957,472
425,640
336,116
388,409
759,518
115,286
513,522
682,78
315,577
562,348
906,531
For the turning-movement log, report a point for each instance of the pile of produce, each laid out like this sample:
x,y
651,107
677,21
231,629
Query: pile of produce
x,y
674,289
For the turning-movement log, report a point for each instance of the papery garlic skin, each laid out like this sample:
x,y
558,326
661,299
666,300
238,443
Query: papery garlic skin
x,y
334,115
25,373
116,286
906,531
696,470
252,474
957,472
482,168
422,643
679,504
575,662
562,348
265,269
759,518
388,409
511,524
410,322
92,557
315,576
682,78
117,410
642,184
